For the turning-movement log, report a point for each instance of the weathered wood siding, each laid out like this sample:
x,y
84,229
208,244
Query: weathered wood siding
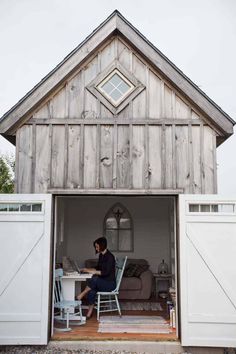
x,y
157,141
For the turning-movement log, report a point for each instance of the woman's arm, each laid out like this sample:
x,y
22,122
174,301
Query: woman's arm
x,y
91,271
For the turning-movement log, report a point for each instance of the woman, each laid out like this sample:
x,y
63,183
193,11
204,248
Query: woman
x,y
103,278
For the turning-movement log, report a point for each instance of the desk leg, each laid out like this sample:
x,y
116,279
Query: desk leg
x,y
68,290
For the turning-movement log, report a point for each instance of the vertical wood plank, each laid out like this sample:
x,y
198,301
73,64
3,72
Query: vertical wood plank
x,y
182,158
169,169
147,171
108,55
105,113
106,157
162,101
190,158
90,102
33,158
81,160
173,104
123,151
76,95
147,168
131,185
58,104
65,177
25,159
174,162
154,147
139,70
139,105
50,156
167,102
42,161
202,158
58,154
208,160
42,112
123,55
215,184
138,156
196,147
73,175
115,151
181,109
163,156
125,112
154,96
90,145
16,182
98,155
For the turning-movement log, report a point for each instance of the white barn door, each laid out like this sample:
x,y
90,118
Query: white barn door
x,y
207,254
25,225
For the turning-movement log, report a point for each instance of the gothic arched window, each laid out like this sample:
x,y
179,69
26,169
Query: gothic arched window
x,y
118,229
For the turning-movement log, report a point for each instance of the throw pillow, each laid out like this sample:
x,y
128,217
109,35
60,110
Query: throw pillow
x,y
129,270
135,270
140,268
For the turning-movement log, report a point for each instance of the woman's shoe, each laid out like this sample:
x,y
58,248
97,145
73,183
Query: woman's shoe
x,y
88,317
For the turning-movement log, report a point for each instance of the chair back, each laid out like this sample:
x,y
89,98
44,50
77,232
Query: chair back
x,y
58,286
120,267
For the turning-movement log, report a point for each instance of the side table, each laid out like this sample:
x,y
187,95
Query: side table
x,y
162,277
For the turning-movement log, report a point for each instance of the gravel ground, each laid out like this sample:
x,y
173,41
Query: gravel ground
x,y
39,350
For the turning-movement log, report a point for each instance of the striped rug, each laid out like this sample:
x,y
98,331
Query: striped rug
x,y
140,306
133,324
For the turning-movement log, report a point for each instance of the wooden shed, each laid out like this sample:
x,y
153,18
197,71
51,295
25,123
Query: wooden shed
x,y
116,123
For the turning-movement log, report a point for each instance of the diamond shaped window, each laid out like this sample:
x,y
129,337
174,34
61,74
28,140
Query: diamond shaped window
x,y
115,87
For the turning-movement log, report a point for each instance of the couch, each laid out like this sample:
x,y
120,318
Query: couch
x,y
137,279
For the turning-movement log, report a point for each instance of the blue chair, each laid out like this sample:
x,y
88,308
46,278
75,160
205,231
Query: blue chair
x,y
107,301
66,306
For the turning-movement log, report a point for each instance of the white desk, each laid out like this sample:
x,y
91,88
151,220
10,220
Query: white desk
x,y
68,284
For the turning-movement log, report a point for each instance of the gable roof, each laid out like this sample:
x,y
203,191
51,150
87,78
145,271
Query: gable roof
x,y
115,23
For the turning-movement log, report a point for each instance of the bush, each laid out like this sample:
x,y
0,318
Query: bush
x,y
7,168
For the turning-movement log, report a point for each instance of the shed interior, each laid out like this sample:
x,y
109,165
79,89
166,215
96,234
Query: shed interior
x,y
81,219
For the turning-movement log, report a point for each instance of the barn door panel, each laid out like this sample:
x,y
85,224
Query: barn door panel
x,y
207,270
25,222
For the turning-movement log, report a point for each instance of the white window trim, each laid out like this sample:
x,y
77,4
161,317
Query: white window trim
x,y
108,97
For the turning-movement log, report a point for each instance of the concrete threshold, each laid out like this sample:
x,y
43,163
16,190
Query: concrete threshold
x,y
130,347
110,347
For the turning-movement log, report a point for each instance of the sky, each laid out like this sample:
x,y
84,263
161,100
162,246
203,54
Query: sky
x,y
198,36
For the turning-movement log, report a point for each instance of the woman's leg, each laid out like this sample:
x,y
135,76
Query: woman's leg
x,y
91,285
84,292
90,311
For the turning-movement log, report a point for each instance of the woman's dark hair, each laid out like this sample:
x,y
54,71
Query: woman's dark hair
x,y
102,242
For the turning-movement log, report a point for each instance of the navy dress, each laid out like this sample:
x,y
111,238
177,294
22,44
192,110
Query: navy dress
x,y
106,281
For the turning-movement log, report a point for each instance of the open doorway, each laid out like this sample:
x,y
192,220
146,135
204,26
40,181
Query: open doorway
x,y
146,236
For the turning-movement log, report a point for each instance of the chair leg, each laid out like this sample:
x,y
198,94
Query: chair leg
x,y
118,305
98,306
67,319
80,313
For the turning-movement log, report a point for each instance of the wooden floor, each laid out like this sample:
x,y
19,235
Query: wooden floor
x,y
89,331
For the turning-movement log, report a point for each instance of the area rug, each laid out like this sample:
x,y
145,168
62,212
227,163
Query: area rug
x,y
133,324
140,306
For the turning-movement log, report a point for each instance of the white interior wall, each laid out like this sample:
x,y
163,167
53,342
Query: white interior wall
x,y
83,223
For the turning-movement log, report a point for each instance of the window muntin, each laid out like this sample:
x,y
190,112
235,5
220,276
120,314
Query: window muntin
x,y
118,229
115,87
20,207
223,208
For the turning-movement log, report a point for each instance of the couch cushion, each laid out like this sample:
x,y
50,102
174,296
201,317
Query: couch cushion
x,y
131,283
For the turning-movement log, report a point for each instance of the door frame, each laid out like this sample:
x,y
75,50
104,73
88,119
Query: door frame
x,y
173,195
